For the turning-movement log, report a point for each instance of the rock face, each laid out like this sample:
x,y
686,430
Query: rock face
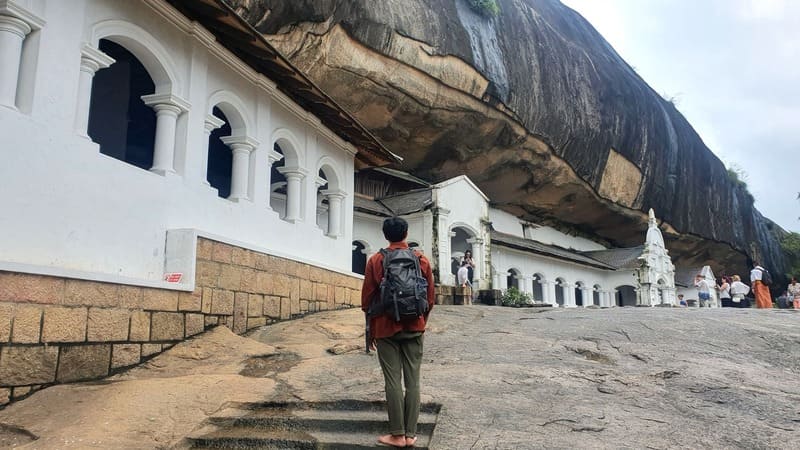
x,y
534,106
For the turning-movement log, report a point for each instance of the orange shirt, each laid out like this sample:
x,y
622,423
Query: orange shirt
x,y
382,326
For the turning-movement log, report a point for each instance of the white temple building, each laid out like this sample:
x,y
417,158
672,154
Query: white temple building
x,y
553,267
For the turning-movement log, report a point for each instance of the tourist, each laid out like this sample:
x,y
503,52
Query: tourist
x,y
761,291
725,292
738,292
703,291
399,344
681,301
794,292
470,265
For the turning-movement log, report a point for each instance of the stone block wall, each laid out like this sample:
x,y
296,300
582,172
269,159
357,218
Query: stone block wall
x,y
59,330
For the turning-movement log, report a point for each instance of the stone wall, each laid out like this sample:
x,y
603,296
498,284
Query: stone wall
x,y
59,330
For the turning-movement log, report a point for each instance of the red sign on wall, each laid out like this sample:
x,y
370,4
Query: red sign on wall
x,y
174,277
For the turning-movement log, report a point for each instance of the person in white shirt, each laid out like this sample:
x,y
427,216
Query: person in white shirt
x,y
738,292
725,292
463,274
703,291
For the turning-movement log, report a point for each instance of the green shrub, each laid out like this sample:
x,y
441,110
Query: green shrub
x,y
790,244
486,8
513,297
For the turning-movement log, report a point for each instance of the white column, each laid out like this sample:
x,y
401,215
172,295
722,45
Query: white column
x,y
12,33
527,284
92,60
168,107
211,123
335,198
549,288
294,178
241,146
272,158
569,295
588,296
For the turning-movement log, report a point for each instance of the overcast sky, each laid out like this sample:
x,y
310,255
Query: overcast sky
x,y
733,67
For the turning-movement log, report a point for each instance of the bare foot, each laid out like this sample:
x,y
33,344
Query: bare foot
x,y
410,441
394,441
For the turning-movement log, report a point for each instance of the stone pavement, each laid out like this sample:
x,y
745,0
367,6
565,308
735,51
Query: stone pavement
x,y
505,378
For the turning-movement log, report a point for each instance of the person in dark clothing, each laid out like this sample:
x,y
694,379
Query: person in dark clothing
x,y
399,344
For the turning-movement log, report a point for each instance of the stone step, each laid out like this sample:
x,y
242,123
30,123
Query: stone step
x,y
261,438
346,424
312,419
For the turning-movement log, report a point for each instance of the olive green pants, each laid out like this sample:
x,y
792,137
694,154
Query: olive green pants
x,y
401,355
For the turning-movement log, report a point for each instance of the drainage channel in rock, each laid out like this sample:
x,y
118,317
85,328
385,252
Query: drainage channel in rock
x,y
339,425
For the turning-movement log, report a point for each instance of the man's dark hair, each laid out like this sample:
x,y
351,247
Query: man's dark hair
x,y
395,229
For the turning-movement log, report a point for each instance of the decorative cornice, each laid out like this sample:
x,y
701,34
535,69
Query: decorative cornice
x,y
240,141
11,8
93,59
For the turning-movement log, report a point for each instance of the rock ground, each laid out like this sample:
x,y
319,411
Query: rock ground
x,y
506,378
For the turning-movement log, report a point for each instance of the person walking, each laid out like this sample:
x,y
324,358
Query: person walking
x,y
794,292
738,292
399,343
703,291
761,291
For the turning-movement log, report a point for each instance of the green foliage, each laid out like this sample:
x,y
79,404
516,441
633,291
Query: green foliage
x,y
791,248
513,297
737,176
486,8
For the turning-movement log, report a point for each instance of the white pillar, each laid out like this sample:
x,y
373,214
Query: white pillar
x,y
241,147
549,288
92,60
588,296
527,284
569,295
12,33
168,107
211,123
294,177
335,198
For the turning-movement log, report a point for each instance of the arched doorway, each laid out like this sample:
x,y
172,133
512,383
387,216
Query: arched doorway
x,y
538,288
596,295
461,239
626,295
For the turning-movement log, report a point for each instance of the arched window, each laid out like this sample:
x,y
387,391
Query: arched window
x,y
596,295
579,293
119,120
220,158
538,288
513,278
288,170
561,288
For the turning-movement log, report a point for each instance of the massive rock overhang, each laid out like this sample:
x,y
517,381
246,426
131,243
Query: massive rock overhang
x,y
244,41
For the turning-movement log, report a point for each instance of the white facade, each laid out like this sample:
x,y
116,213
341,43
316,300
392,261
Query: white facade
x,y
68,208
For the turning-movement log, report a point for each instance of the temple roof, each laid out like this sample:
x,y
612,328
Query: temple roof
x,y
249,45
528,245
409,202
620,258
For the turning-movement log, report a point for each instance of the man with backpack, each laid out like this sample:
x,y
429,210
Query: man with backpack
x,y
760,280
397,296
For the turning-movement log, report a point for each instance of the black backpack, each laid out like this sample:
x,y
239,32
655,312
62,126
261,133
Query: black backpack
x,y
404,291
766,278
